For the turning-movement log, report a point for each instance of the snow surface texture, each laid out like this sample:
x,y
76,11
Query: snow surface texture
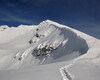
x,y
39,51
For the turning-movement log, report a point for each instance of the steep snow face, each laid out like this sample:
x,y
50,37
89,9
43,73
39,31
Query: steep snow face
x,y
47,42
67,44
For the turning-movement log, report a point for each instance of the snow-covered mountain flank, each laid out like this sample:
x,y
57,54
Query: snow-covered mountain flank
x,y
48,51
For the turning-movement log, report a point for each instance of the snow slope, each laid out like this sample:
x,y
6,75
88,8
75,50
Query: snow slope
x,y
48,51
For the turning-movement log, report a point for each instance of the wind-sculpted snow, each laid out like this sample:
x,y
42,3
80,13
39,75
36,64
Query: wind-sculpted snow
x,y
42,44
65,41
38,52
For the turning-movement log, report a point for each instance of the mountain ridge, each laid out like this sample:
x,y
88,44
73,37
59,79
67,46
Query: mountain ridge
x,y
46,48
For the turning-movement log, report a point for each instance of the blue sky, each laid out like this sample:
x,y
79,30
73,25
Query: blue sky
x,y
83,15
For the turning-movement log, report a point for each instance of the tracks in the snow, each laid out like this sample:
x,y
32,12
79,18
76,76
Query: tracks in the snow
x,y
65,73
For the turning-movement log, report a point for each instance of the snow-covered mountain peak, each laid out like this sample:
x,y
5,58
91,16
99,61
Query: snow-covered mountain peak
x,y
49,22
48,48
47,42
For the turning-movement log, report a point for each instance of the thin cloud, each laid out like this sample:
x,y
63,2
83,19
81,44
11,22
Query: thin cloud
x,y
19,19
9,17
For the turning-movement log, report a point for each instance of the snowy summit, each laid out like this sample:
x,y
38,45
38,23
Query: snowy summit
x,y
48,51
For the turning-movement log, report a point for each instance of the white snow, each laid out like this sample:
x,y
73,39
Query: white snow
x,y
48,51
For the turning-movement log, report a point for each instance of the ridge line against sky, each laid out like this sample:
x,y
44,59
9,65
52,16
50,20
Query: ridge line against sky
x,y
83,15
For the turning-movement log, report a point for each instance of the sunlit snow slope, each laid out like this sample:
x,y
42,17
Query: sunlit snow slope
x,y
38,50
44,43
